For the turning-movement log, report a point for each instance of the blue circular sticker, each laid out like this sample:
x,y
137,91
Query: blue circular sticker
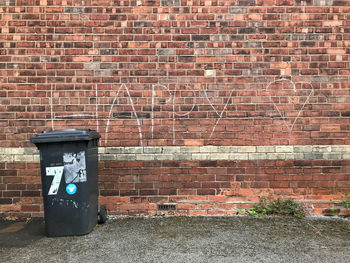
x,y
71,189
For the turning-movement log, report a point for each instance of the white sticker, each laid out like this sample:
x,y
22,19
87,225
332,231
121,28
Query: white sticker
x,y
57,173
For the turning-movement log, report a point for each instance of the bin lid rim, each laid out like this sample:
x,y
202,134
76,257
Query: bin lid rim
x,y
65,135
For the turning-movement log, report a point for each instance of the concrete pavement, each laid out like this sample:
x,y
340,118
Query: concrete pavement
x,y
184,239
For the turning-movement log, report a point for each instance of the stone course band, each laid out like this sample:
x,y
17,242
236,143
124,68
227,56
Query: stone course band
x,y
198,153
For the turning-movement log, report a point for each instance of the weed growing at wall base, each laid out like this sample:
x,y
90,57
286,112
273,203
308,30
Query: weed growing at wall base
x,y
279,207
346,202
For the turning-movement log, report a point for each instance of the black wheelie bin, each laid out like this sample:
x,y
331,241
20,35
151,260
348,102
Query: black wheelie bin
x,y
69,175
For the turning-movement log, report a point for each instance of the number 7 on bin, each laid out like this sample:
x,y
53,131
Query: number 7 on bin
x,y
57,173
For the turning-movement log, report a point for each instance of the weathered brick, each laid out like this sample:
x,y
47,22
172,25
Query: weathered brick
x,y
171,2
238,10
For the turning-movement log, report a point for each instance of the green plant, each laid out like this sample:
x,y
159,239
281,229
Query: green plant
x,y
240,211
257,212
280,207
333,212
346,202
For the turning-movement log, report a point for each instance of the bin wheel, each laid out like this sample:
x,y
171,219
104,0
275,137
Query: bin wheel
x,y
102,215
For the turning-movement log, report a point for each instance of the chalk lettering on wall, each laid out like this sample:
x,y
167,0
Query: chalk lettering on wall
x,y
96,94
219,114
183,114
154,94
294,100
288,98
51,107
123,86
70,116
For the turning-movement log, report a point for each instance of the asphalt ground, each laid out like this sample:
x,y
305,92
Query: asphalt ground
x,y
184,239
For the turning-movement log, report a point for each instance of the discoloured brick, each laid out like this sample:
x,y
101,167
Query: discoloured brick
x,y
238,156
321,149
257,156
250,149
284,149
303,149
246,2
7,158
137,150
170,2
200,156
144,157
323,2
228,149
313,156
114,150
7,2
171,149
163,157
190,149
182,156
30,151
238,10
73,9
209,149
219,156
266,149
276,156
109,157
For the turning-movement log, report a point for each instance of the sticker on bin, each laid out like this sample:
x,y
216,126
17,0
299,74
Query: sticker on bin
x,y
74,167
56,172
71,189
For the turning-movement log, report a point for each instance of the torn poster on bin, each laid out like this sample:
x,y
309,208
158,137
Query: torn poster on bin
x,y
74,167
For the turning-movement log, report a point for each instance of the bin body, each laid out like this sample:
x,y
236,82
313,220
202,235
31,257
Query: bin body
x,y
69,173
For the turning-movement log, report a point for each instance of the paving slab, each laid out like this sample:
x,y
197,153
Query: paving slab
x,y
184,239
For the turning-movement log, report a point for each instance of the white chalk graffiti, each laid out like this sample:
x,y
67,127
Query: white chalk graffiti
x,y
53,116
219,114
51,107
133,110
96,94
153,103
178,114
288,102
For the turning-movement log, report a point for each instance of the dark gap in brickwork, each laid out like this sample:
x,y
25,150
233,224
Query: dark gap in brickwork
x,y
166,207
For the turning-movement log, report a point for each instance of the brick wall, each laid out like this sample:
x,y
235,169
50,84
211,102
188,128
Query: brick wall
x,y
207,104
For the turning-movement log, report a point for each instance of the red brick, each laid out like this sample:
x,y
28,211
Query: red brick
x,y
30,208
141,46
186,206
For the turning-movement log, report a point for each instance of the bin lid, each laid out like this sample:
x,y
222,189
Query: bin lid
x,y
65,135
